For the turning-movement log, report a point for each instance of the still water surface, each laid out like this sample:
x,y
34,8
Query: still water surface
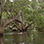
x,y
23,38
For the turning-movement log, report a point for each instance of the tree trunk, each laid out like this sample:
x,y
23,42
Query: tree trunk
x,y
1,30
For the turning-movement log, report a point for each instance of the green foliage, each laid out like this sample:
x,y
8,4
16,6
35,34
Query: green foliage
x,y
4,15
32,11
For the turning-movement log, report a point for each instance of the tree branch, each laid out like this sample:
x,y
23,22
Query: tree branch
x,y
13,19
28,25
7,22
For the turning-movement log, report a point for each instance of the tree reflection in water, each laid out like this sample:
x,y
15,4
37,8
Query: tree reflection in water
x,y
24,38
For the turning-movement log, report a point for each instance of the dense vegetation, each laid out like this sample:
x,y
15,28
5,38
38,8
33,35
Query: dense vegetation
x,y
30,13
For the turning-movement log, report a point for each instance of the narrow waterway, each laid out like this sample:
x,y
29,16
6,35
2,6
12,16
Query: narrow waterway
x,y
30,37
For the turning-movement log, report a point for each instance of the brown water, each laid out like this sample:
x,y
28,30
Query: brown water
x,y
23,38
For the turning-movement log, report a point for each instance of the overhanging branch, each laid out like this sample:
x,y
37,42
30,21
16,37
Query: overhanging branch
x,y
7,22
13,19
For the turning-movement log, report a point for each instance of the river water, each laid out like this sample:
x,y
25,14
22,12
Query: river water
x,y
30,37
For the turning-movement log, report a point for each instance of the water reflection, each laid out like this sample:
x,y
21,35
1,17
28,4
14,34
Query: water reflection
x,y
17,38
23,38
